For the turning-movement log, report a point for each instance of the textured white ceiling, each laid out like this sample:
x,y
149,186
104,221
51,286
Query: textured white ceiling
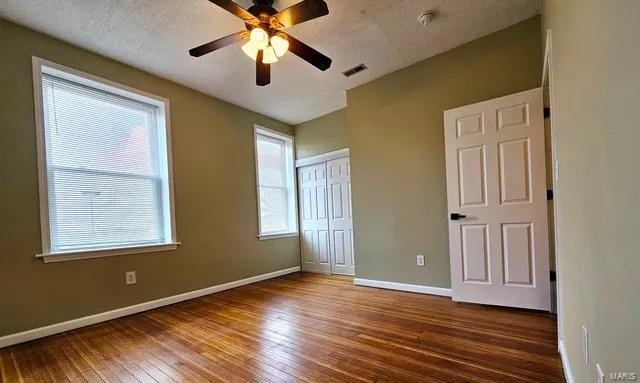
x,y
155,35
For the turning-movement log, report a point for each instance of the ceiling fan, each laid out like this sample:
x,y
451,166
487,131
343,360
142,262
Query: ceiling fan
x,y
264,30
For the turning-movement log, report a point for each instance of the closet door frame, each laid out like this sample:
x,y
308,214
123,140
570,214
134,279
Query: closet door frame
x,y
316,160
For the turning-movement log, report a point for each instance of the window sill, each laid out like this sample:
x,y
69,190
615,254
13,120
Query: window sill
x,y
265,237
100,253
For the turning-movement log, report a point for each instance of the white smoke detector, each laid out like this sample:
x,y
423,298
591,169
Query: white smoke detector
x,y
425,18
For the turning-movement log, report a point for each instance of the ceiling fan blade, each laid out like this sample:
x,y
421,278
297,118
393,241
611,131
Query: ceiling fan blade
x,y
308,54
217,44
303,11
231,7
263,71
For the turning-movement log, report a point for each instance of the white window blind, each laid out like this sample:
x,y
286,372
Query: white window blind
x,y
275,183
106,169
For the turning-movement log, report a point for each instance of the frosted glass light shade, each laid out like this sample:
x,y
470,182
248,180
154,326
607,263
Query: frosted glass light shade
x,y
250,49
259,38
269,56
280,45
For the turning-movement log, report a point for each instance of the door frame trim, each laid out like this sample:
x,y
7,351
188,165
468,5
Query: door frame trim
x,y
324,157
547,82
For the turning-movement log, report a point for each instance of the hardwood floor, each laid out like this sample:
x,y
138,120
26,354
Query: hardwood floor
x,y
300,327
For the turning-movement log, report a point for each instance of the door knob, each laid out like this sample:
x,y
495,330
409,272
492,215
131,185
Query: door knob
x,y
457,216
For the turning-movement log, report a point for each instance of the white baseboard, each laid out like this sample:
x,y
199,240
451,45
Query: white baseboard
x,y
566,366
403,287
41,332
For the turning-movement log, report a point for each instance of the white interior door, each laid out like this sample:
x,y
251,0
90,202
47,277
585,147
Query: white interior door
x,y
340,217
496,193
314,222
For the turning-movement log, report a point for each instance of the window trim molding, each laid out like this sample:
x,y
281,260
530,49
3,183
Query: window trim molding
x,y
259,129
39,66
101,253
266,237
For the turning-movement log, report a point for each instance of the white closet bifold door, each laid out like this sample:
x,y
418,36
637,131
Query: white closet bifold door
x,y
314,222
340,217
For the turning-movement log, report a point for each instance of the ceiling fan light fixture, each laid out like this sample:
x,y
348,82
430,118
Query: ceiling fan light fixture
x,y
259,38
269,56
250,49
267,42
280,45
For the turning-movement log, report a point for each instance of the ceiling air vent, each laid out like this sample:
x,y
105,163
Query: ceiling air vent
x,y
356,69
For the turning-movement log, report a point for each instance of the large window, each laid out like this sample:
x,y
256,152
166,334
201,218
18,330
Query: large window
x,y
276,184
104,164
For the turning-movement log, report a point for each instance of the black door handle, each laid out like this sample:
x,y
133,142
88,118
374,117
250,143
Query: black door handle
x,y
457,216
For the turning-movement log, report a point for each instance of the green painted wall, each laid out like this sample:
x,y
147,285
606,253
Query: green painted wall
x,y
395,131
215,198
321,135
595,99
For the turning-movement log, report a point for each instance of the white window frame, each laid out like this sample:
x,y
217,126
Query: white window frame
x,y
291,181
40,66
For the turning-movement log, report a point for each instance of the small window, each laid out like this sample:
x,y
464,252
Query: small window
x,y
104,166
276,184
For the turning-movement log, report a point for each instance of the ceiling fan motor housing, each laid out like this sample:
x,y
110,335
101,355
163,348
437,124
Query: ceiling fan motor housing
x,y
263,11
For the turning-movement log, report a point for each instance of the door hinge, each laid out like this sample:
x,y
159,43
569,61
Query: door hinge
x,y
549,195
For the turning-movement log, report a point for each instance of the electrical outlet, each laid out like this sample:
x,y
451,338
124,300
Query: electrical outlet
x,y
585,345
420,260
600,374
130,277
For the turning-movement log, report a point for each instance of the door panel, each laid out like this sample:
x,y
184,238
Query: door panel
x,y
496,178
514,171
307,246
471,165
469,125
323,247
314,223
336,198
511,116
517,253
475,254
340,220
338,240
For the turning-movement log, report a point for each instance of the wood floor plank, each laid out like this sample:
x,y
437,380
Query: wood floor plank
x,y
326,331
462,355
56,373
9,370
56,351
301,328
305,337
106,345
81,365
